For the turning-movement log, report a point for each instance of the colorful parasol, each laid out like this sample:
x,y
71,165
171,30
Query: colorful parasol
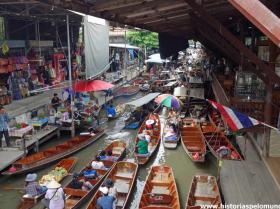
x,y
168,100
93,85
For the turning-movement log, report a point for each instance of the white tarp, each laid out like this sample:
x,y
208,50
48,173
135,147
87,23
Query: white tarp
x,y
96,32
144,100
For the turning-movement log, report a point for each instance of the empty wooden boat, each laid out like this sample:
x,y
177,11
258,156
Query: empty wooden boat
x,y
123,175
218,143
193,142
77,197
160,190
67,164
50,155
204,191
170,137
154,142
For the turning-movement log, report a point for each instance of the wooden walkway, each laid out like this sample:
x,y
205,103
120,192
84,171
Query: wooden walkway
x,y
249,181
10,155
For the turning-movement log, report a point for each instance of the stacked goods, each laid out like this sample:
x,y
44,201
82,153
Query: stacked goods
x,y
58,173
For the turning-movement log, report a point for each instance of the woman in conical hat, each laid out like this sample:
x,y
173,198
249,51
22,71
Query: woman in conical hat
x,y
55,197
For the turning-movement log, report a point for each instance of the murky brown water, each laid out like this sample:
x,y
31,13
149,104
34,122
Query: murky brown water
x,y
182,166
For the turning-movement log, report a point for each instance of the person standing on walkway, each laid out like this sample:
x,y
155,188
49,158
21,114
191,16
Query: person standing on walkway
x,y
4,119
55,101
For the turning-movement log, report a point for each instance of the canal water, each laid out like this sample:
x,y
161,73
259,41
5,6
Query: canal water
x,y
184,169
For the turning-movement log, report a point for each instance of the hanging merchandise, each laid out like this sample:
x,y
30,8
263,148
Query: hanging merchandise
x,y
5,48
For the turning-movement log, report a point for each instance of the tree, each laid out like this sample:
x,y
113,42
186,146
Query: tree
x,y
143,39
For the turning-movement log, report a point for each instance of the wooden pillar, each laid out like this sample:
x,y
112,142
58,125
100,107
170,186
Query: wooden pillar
x,y
267,117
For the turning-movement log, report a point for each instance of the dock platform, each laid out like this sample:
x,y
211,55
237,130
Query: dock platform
x,y
248,181
10,155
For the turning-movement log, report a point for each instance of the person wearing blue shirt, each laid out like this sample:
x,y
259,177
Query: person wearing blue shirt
x,y
111,111
4,119
106,201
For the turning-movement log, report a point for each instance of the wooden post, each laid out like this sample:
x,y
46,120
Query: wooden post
x,y
267,117
24,145
220,163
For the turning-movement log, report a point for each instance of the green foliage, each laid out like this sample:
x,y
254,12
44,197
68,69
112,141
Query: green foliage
x,y
143,39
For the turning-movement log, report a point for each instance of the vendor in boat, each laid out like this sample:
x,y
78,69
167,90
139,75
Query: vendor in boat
x,y
142,146
32,188
77,183
110,156
111,111
55,197
106,201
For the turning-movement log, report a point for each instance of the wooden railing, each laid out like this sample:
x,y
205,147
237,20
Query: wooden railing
x,y
219,92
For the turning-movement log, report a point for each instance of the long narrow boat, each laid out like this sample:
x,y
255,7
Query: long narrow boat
x,y
170,138
204,191
160,190
67,164
218,143
53,154
193,142
123,174
155,139
126,91
77,197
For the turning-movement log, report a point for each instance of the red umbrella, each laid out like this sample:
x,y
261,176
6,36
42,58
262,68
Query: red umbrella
x,y
93,85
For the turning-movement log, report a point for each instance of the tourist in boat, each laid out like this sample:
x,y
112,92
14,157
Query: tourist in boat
x,y
110,156
106,201
77,183
142,146
55,101
97,164
32,188
55,197
112,190
4,119
111,111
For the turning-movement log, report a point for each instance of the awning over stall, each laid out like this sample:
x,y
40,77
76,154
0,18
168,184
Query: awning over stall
x,y
143,100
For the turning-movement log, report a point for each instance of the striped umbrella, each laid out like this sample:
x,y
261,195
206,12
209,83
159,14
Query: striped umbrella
x,y
168,100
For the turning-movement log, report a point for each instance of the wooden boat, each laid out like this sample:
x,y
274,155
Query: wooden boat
x,y
169,138
193,142
155,139
217,143
123,174
50,155
204,191
160,190
77,197
29,202
126,91
216,119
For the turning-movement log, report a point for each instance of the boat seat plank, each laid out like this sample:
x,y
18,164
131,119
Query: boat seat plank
x,y
117,150
204,190
122,186
120,201
124,174
160,190
161,177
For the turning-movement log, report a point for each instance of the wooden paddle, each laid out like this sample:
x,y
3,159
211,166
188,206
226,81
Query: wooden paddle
x,y
7,187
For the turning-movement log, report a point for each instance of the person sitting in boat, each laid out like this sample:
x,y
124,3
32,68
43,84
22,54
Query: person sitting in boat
x,y
97,164
77,183
150,124
32,188
110,156
224,151
106,201
111,111
55,196
112,190
89,173
142,146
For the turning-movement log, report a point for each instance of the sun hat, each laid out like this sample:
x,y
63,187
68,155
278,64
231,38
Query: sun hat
x,y
150,122
104,190
53,185
108,183
31,177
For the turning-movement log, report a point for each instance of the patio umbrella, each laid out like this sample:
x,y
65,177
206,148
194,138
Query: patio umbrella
x,y
93,85
168,100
